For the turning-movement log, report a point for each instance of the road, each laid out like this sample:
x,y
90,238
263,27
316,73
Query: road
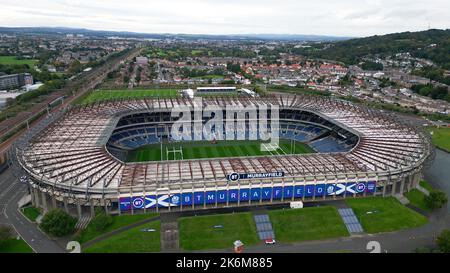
x,y
11,191
439,173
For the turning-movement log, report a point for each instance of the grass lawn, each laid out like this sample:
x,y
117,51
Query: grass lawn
x,y
15,246
426,185
315,223
388,214
417,199
31,213
441,137
131,241
12,60
119,221
205,149
102,95
199,233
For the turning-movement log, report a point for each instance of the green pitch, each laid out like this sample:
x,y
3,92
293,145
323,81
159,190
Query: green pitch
x,y
206,149
104,95
441,137
12,60
315,223
384,214
199,232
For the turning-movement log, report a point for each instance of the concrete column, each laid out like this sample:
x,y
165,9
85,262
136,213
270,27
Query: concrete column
x,y
78,209
402,185
33,197
44,201
54,205
410,182
106,207
393,187
384,188
36,197
91,203
416,179
66,207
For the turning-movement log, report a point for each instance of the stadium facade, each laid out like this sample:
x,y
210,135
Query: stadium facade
x,y
76,161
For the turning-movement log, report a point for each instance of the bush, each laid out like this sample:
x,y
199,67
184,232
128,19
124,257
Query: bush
x,y
443,241
436,199
58,223
101,221
423,250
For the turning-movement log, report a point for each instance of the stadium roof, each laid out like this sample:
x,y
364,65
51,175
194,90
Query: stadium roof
x,y
71,151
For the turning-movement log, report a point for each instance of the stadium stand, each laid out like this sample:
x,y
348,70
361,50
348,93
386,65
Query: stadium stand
x,y
68,160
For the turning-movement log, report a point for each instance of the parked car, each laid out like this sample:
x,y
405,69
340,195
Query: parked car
x,y
270,241
148,230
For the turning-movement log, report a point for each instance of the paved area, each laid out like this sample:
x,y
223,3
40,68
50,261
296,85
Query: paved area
x,y
264,226
351,221
169,233
83,222
11,191
438,173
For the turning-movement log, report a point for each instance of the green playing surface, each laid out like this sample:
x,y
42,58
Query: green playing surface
x,y
206,149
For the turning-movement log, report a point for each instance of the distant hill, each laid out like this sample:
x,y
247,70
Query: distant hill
x,y
431,44
124,34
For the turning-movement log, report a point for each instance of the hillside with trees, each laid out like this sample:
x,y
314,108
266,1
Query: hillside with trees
x,y
432,44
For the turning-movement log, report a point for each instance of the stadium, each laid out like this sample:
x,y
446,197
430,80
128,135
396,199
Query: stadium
x,y
121,156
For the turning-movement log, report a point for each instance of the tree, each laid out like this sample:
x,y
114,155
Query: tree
x,y
58,223
101,221
443,241
75,67
369,65
5,234
436,199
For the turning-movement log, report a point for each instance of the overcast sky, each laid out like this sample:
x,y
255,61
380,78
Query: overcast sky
x,y
321,17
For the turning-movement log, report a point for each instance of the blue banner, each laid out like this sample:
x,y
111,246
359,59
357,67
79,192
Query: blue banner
x,y
239,176
245,194
277,192
210,197
288,192
186,199
233,196
221,196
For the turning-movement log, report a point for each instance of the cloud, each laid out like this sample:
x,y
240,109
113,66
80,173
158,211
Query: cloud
x,y
326,17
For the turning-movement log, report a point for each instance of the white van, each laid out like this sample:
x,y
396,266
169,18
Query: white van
x,y
296,205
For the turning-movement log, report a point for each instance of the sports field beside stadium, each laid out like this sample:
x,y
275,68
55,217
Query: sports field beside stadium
x,y
441,137
217,231
206,149
118,222
12,60
136,240
104,95
384,214
315,223
15,246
